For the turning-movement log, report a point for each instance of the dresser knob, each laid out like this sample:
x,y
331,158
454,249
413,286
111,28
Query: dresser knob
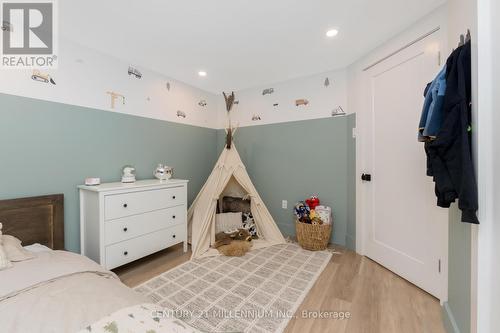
x,y
173,216
173,197
173,236
125,253
125,229
125,205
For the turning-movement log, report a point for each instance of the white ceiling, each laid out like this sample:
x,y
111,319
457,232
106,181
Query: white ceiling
x,y
240,44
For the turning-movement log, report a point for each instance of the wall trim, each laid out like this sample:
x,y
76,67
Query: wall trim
x,y
449,321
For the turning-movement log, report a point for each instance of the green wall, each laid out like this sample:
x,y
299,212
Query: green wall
x,y
292,160
351,184
456,312
48,148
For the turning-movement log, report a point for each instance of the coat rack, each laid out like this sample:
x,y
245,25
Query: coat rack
x,y
464,38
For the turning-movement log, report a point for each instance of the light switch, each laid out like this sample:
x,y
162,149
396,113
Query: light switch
x,y
284,204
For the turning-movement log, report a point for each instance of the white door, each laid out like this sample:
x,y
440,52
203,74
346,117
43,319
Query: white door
x,y
405,230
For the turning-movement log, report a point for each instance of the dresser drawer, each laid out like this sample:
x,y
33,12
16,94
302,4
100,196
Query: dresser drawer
x,y
129,227
121,205
124,252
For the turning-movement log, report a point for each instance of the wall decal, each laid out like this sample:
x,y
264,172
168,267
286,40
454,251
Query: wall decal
x,y
135,72
7,26
276,104
267,91
114,96
338,112
236,102
168,86
256,117
181,114
202,103
41,77
327,82
302,101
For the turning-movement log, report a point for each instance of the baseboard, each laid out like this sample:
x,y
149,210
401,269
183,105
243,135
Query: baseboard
x,y
448,319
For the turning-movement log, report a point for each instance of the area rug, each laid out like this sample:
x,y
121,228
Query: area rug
x,y
258,292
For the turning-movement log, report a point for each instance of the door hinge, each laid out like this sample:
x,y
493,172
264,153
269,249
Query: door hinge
x,y
439,58
439,266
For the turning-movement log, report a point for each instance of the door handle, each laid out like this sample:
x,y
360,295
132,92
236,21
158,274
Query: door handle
x,y
366,177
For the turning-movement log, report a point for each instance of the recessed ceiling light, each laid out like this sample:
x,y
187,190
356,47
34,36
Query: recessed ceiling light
x,y
202,73
332,33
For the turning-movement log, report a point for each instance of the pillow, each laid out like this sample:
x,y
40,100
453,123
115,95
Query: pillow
x,y
4,260
37,248
232,204
227,221
15,251
249,224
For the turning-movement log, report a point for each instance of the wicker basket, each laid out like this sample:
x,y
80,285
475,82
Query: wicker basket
x,y
313,237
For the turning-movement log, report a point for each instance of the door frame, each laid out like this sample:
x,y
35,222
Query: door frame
x,y
363,112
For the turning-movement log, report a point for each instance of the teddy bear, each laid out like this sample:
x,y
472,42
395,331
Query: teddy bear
x,y
233,243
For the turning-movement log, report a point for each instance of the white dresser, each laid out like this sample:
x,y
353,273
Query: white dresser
x,y
120,223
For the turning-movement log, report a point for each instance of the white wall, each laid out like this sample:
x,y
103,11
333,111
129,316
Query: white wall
x,y
488,237
322,100
84,76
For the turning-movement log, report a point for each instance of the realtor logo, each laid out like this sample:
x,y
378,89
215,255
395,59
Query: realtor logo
x,y
28,34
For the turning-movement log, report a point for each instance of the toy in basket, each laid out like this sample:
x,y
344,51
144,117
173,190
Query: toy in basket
x,y
313,225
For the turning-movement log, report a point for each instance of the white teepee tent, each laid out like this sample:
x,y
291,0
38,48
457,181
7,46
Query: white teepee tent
x,y
229,173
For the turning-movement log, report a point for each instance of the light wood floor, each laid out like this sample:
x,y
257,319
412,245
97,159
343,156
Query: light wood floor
x,y
377,299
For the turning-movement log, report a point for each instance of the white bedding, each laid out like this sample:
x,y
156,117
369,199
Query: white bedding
x,y
60,291
46,267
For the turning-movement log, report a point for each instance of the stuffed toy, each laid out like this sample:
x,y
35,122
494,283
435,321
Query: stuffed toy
x,y
302,211
237,248
233,243
313,202
317,221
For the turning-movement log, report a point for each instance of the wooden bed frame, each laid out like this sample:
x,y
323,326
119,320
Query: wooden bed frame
x,y
35,220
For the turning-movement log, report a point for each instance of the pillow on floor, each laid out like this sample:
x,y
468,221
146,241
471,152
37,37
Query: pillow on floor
x,y
232,204
4,260
14,249
227,221
249,224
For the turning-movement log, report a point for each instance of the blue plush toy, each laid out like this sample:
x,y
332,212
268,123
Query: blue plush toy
x,y
302,211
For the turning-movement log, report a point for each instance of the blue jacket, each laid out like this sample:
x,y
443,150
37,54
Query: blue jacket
x,y
432,112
